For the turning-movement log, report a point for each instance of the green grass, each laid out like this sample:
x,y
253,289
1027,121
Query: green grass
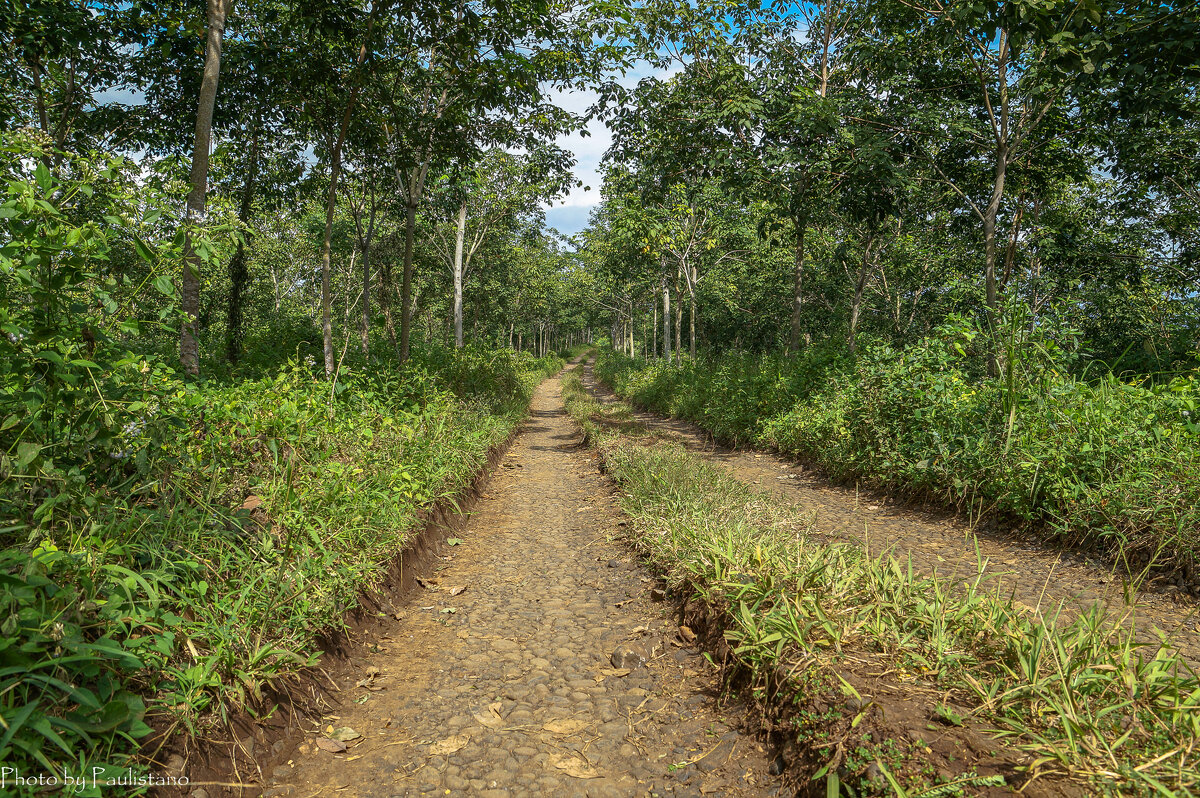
x,y
1113,464
1081,698
153,598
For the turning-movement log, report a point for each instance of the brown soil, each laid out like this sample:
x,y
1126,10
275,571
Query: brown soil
x,y
1034,575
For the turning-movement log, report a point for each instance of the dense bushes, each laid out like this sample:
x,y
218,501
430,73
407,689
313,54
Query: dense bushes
x,y
1116,462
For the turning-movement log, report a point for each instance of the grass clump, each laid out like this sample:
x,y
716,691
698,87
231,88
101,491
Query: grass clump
x,y
814,625
1113,463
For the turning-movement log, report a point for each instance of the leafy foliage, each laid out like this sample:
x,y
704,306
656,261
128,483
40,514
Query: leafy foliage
x,y
1109,461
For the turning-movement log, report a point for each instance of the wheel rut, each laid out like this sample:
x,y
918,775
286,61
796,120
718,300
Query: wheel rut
x,y
1036,576
507,687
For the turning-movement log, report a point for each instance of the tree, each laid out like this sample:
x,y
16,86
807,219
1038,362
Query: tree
x,y
189,348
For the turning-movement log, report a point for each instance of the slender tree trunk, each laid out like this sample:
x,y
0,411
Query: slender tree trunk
x,y
666,335
990,254
631,342
692,312
797,329
189,345
678,318
692,327
460,232
335,166
989,232
237,264
387,289
365,332
410,224
856,299
654,325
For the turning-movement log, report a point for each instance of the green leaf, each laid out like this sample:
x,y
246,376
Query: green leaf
x,y
165,285
43,178
26,452
143,251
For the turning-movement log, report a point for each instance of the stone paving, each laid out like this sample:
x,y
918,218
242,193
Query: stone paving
x,y
534,662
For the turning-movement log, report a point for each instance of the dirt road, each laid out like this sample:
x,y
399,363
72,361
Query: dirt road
x,y
501,679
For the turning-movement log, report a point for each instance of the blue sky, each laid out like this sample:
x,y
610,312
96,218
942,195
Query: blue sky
x,y
570,214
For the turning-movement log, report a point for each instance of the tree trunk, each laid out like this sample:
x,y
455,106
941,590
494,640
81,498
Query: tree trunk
x,y
666,338
386,292
797,286
410,224
189,346
678,318
335,165
459,233
365,332
237,264
692,327
654,325
856,300
990,252
692,312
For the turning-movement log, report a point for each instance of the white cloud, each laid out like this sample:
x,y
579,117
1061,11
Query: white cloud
x,y
570,214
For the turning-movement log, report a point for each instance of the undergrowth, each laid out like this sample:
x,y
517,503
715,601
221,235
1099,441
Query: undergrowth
x,y
218,533
1109,462
1080,699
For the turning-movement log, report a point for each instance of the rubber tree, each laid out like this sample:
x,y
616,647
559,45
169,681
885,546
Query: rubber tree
x,y
500,189
189,346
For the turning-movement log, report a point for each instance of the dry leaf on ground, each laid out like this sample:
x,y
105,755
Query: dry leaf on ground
x,y
490,717
332,746
574,766
449,745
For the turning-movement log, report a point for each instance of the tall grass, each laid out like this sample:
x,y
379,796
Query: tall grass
x,y
256,515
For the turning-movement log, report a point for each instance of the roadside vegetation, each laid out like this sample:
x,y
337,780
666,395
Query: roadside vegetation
x,y
813,626
233,526
1107,462
191,501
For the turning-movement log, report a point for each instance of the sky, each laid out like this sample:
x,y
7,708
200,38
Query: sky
x,y
569,215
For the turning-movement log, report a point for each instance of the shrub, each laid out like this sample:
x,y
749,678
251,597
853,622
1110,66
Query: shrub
x,y
1105,460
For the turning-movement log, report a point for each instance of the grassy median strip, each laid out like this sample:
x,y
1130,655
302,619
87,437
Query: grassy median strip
x,y
816,626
